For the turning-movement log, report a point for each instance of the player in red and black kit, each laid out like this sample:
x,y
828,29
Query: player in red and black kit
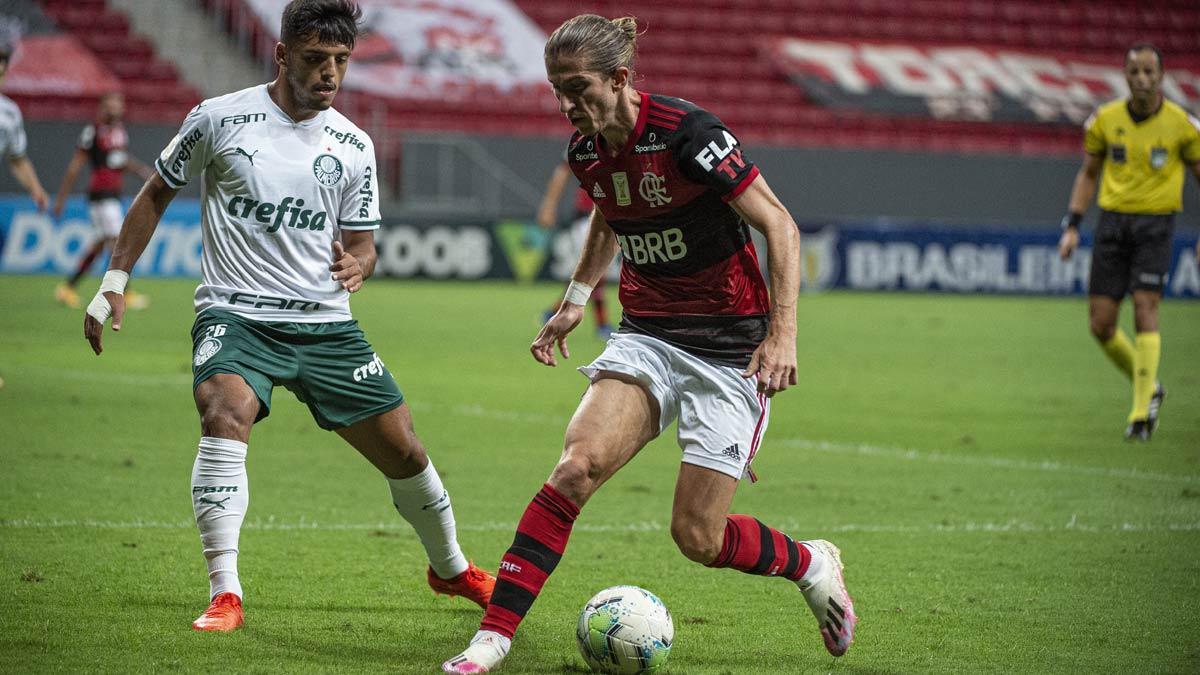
x,y
701,340
547,218
103,146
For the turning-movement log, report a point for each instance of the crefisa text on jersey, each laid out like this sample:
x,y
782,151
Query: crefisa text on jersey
x,y
262,212
368,194
346,137
185,150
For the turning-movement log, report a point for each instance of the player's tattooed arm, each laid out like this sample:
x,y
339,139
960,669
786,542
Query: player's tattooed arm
x,y
353,258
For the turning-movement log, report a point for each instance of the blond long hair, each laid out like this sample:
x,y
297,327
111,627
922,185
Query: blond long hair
x,y
604,44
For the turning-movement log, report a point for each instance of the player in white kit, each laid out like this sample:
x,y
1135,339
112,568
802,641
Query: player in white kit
x,y
290,204
13,142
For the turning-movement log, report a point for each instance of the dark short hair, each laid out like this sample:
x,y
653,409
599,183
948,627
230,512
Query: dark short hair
x,y
1143,47
331,21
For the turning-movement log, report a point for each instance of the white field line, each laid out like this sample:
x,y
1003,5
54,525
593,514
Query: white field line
x,y
304,525
480,411
867,450
938,457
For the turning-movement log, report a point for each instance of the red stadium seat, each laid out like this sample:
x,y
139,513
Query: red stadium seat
x,y
708,51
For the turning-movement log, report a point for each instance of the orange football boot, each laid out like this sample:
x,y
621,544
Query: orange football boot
x,y
223,614
474,584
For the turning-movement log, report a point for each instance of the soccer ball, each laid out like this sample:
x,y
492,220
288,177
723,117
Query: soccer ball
x,y
625,629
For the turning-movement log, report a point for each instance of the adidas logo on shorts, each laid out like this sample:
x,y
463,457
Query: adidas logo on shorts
x,y
733,453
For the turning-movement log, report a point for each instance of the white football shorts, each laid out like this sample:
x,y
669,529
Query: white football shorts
x,y
722,416
107,216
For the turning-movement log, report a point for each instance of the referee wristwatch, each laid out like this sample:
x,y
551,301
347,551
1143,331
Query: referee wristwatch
x,y
1071,221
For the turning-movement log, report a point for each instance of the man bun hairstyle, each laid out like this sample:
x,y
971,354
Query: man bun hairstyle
x,y
604,44
331,21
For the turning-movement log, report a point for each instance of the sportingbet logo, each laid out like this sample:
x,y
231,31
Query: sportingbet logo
x,y
372,367
713,152
368,194
287,212
653,247
346,138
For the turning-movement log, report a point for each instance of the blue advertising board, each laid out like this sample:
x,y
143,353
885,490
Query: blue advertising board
x,y
911,257
37,243
999,260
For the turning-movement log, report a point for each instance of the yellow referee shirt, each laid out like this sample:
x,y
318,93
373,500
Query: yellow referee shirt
x,y
1143,161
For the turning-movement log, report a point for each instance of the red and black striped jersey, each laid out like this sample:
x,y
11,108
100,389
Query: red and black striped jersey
x,y
106,146
690,274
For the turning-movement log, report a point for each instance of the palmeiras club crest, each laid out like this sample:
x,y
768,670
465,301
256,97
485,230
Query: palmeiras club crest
x,y
208,347
328,170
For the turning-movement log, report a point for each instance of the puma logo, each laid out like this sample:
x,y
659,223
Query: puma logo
x,y
219,505
239,151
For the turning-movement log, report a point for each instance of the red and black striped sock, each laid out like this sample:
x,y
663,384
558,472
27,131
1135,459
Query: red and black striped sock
x,y
754,548
541,539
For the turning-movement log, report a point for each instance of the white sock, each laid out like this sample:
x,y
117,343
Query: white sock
x,y
816,563
500,641
425,504
220,498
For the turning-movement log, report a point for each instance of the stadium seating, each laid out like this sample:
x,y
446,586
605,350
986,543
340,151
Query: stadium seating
x,y
676,57
153,88
708,51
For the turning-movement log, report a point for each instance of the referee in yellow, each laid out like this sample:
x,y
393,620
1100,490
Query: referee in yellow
x,y
1141,145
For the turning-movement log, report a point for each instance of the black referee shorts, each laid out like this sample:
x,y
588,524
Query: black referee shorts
x,y
1131,252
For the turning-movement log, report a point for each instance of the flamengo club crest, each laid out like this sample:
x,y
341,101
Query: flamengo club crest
x,y
652,188
328,170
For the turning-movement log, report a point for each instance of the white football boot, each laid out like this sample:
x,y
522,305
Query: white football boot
x,y
826,595
486,651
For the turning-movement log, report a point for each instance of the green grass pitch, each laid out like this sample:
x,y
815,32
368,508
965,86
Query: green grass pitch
x,y
964,452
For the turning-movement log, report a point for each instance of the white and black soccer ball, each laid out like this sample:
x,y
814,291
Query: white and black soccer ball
x,y
625,629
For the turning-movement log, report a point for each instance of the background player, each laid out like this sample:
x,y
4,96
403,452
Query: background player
x,y
548,217
1140,145
104,146
699,341
288,222
13,143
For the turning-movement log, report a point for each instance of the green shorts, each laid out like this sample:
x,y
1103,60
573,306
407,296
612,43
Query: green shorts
x,y
328,366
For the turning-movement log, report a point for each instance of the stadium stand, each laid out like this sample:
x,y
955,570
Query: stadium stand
x,y
153,88
755,97
743,86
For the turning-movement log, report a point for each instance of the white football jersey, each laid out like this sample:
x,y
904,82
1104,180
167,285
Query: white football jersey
x,y
12,130
274,197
